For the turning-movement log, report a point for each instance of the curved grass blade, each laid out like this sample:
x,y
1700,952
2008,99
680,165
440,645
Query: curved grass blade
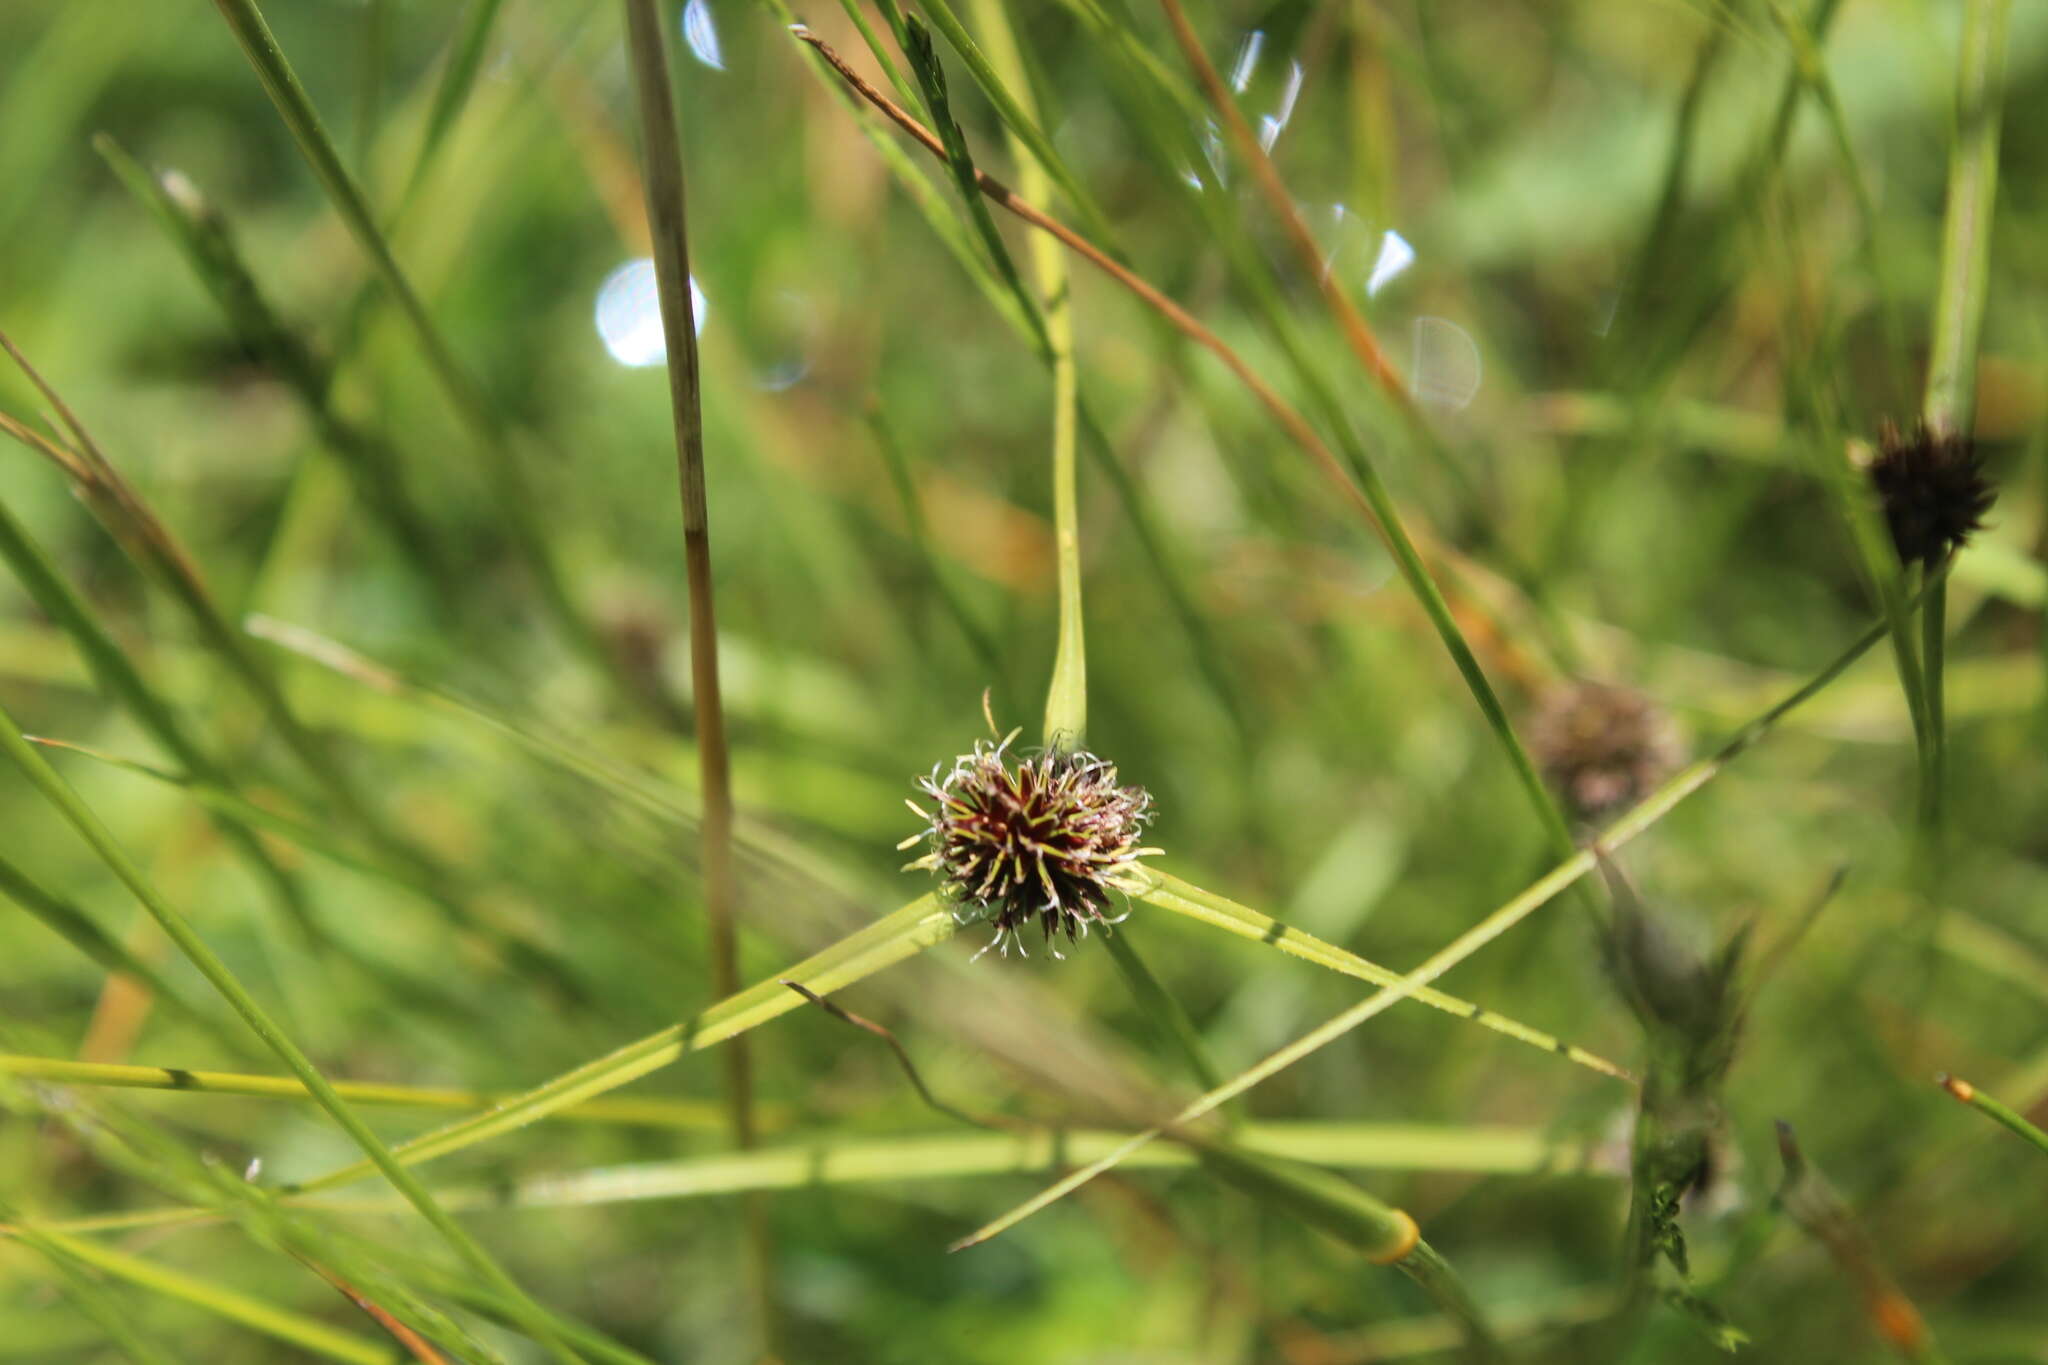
x,y
75,812
1992,1109
1638,819
1950,402
1182,898
493,440
75,927
910,930
307,1334
118,677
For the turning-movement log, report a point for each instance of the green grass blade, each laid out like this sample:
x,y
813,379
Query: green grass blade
x,y
831,1160
1992,1109
1645,814
75,812
1951,397
75,927
910,930
1205,907
1950,402
1020,118
118,677
306,1334
202,237
90,1297
493,440
636,1111
451,91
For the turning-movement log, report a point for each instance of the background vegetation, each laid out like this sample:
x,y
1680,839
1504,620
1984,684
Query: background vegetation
x,y
1649,275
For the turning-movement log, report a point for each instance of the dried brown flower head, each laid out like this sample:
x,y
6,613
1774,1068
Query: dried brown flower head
x,y
1043,837
1602,748
1933,488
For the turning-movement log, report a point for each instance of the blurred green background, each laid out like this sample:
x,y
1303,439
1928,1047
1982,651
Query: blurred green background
x,y
1639,323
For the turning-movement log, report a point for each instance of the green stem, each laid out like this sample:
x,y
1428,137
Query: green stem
x,y
1992,1109
1951,397
1162,1011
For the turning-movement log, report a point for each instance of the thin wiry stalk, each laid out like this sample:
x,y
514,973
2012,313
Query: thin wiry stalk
x,y
1357,334
75,812
493,440
668,229
144,537
1650,810
1366,347
119,678
1356,479
1949,405
1992,1109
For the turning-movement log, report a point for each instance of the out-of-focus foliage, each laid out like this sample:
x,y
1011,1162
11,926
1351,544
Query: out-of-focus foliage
x,y
1640,324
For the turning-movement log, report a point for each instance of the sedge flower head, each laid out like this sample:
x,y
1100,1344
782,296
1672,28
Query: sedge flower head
x,y
1046,836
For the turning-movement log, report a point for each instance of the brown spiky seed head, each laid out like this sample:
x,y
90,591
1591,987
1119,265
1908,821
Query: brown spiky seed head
x,y
1046,836
1602,748
1933,488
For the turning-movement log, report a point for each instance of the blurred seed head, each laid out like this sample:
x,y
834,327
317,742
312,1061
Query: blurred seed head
x,y
1602,748
1933,488
1045,837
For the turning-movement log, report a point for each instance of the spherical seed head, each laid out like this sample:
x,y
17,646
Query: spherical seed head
x,y
1602,748
1044,837
1933,488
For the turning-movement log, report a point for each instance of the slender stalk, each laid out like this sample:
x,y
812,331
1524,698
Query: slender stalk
x,y
1357,334
75,812
667,224
307,1334
642,1111
1640,818
493,440
1950,402
1354,476
1992,1109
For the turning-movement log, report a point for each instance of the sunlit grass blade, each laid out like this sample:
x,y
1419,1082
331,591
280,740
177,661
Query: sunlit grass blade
x,y
1354,474
117,676
75,927
202,237
493,440
88,1294
1037,156
1640,818
75,812
1950,402
1169,892
295,1329
917,926
636,1111
829,1160
451,91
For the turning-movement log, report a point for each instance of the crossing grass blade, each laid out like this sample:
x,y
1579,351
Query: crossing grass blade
x,y
294,1329
828,1161
1644,815
917,926
75,812
1170,893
